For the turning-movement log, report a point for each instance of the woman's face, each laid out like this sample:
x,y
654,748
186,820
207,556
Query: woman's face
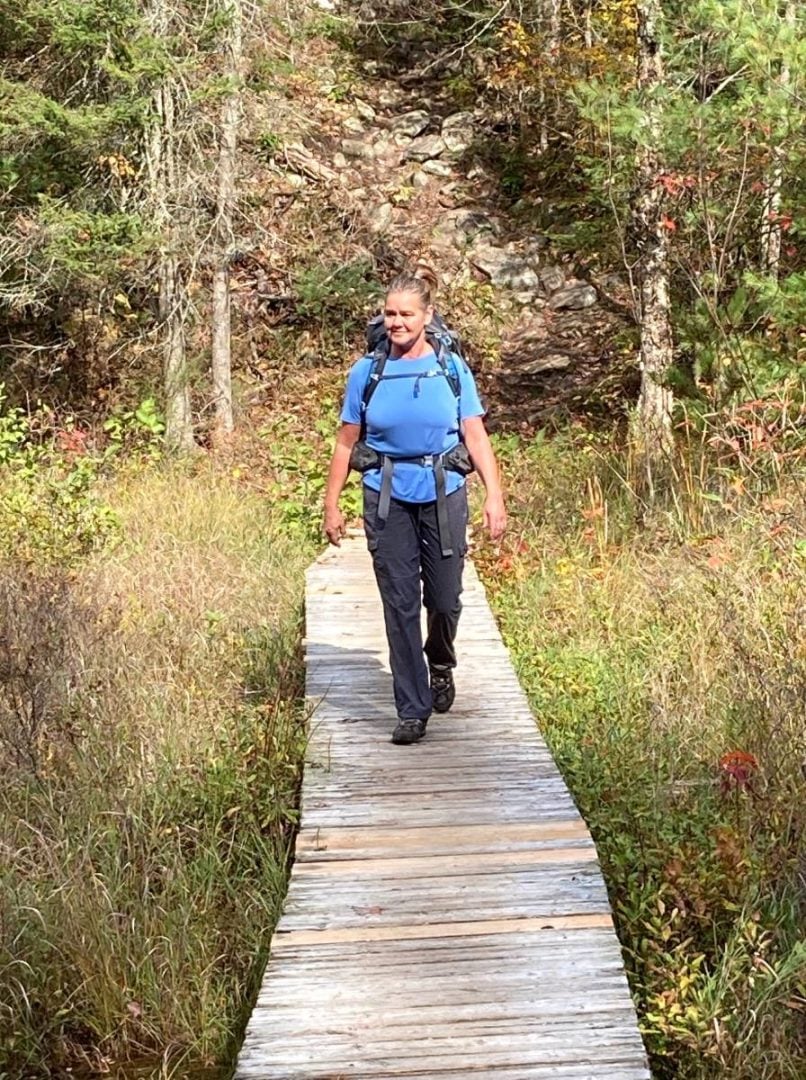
x,y
405,320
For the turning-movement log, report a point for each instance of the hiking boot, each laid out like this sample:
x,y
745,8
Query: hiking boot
x,y
443,691
408,731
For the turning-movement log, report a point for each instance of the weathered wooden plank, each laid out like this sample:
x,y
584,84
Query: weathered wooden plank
x,y
437,840
419,1058
425,931
593,945
601,1070
439,866
455,813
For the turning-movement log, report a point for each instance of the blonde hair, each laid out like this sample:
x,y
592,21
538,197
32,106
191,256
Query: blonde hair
x,y
422,281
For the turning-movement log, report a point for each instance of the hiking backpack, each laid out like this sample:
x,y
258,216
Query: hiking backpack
x,y
447,345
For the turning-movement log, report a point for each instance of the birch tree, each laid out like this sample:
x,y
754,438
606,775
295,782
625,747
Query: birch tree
x,y
771,207
552,16
227,151
649,227
161,160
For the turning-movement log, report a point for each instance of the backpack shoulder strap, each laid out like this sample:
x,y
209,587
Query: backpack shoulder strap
x,y
447,345
447,362
452,375
379,358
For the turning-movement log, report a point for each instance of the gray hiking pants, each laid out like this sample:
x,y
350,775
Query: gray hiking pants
x,y
411,572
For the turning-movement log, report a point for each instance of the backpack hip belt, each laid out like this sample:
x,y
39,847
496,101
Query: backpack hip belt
x,y
457,459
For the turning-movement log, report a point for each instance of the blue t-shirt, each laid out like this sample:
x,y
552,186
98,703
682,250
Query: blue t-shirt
x,y
413,412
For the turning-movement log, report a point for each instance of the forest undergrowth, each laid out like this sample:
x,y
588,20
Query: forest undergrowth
x,y
664,653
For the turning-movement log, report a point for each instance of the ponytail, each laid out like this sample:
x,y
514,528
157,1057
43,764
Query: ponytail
x,y
422,281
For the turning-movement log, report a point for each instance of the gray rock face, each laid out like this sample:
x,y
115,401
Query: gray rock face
x,y
458,132
295,181
364,110
505,267
353,125
615,281
533,245
302,161
549,362
437,168
425,148
387,152
357,148
528,333
410,124
380,217
574,297
476,172
389,96
552,278
471,222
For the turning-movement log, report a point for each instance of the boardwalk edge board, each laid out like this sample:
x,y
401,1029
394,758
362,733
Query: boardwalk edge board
x,y
446,915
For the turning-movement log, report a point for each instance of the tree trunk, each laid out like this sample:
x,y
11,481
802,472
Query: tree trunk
x,y
221,314
552,49
178,418
588,18
162,171
222,357
649,226
771,208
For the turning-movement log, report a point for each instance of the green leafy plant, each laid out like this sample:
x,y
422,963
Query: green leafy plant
x,y
341,290
141,428
13,429
270,143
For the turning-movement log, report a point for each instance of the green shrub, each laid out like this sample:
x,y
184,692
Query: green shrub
x,y
51,507
336,291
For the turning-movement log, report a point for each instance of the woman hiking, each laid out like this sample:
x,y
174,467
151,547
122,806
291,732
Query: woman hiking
x,y
411,416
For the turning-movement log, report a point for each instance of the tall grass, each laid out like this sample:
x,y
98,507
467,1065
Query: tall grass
x,y
151,733
663,646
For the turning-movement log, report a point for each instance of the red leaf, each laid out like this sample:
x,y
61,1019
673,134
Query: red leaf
x,y
737,767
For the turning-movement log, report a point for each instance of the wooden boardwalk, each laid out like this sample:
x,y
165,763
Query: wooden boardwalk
x,y
446,915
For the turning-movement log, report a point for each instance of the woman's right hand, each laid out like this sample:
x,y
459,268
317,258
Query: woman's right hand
x,y
335,527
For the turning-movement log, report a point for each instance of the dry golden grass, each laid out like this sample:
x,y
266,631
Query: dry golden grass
x,y
146,829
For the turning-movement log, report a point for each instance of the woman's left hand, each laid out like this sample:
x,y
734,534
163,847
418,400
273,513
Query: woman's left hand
x,y
495,516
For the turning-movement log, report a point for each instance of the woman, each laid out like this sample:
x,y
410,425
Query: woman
x,y
412,498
